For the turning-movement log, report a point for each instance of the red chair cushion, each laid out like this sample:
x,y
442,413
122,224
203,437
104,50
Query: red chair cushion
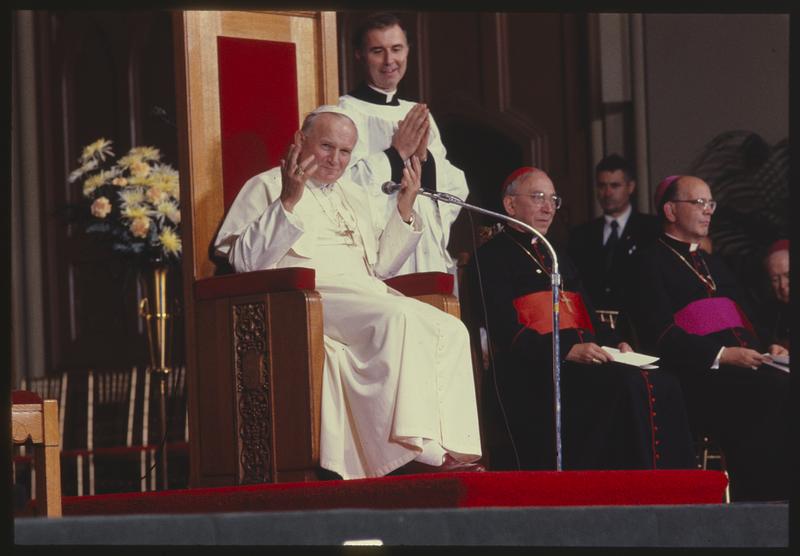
x,y
257,282
422,283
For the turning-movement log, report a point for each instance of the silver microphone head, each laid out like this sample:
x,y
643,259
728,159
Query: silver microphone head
x,y
390,187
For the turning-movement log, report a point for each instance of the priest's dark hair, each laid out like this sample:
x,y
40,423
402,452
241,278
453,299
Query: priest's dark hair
x,y
614,162
376,20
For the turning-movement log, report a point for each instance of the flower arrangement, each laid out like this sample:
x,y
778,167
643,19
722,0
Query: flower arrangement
x,y
135,200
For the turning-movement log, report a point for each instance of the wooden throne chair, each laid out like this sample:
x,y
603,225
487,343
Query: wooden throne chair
x,y
254,352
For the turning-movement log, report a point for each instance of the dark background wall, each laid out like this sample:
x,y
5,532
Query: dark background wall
x,y
710,73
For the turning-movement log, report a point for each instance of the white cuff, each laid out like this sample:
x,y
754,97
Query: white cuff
x,y
715,365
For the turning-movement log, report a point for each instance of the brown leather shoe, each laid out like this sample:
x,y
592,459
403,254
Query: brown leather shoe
x,y
450,465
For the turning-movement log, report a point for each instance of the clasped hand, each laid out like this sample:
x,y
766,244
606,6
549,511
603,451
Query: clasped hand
x,y
411,137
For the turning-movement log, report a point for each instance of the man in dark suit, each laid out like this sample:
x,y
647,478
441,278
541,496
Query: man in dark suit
x,y
604,247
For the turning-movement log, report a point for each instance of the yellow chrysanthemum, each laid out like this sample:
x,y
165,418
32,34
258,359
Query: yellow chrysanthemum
x,y
93,182
140,169
100,149
145,153
165,178
140,181
170,241
170,210
135,211
129,160
131,196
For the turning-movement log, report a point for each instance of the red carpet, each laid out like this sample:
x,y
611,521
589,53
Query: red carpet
x,y
451,490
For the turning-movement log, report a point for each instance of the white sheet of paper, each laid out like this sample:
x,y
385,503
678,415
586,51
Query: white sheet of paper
x,y
779,362
631,357
780,359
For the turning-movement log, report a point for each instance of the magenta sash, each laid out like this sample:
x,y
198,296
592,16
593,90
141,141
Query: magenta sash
x,y
706,316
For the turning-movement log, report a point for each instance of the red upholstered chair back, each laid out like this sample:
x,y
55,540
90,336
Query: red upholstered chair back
x,y
258,107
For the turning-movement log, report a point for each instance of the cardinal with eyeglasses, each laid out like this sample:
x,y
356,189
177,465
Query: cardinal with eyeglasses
x,y
613,415
689,309
398,393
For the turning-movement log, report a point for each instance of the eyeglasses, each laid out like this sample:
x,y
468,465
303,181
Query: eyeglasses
x,y
539,198
704,204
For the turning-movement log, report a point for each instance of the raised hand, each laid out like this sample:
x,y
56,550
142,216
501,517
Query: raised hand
x,y
412,174
294,175
589,353
410,131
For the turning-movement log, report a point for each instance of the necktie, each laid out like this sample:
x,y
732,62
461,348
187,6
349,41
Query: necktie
x,y
611,243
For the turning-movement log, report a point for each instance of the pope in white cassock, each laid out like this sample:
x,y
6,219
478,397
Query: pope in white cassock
x,y
397,388
390,132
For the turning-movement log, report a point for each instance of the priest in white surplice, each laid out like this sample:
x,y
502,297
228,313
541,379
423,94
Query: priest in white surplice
x,y
391,131
398,380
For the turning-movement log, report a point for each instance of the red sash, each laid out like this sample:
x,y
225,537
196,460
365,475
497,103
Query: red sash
x,y
712,314
535,311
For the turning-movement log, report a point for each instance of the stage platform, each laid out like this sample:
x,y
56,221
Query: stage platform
x,y
745,525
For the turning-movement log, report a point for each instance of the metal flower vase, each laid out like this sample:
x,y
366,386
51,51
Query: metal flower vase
x,y
158,316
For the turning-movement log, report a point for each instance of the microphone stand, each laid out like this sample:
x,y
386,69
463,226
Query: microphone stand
x,y
555,282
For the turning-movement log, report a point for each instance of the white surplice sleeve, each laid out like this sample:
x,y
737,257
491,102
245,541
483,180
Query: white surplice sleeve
x,y
257,231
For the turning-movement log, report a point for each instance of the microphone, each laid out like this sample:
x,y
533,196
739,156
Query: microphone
x,y
390,187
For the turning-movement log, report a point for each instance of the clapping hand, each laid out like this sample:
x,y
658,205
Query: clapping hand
x,y
410,185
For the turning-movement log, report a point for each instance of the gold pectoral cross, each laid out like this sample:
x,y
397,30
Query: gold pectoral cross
x,y
566,300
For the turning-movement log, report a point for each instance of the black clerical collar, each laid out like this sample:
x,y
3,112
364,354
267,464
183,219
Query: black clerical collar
x,y
368,94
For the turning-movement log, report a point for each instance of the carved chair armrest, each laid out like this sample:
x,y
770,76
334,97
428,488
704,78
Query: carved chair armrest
x,y
257,282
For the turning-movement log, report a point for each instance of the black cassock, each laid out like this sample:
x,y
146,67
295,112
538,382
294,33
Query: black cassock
x,y
745,410
614,416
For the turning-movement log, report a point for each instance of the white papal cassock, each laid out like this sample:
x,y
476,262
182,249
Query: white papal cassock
x,y
398,379
376,122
